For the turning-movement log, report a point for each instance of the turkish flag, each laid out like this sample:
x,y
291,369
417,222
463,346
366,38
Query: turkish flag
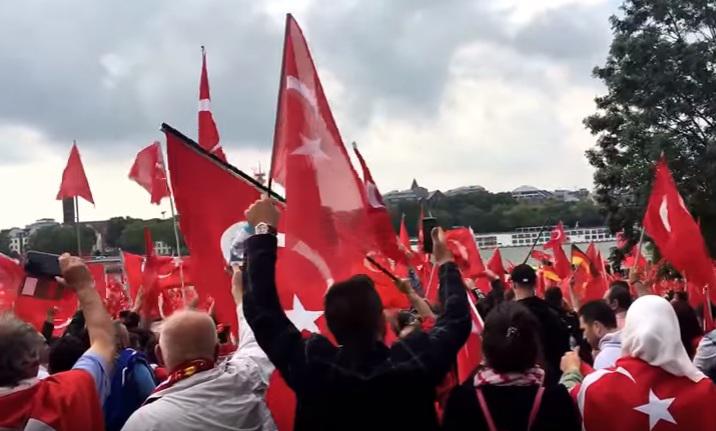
x,y
462,245
208,134
384,235
557,237
117,298
100,278
211,198
74,182
495,265
676,233
175,273
149,172
638,396
597,284
132,265
541,256
562,266
11,277
37,295
470,355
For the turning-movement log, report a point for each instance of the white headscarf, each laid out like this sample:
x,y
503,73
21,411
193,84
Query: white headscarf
x,y
652,334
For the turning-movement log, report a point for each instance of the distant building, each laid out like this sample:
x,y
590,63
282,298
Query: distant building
x,y
530,194
571,195
163,249
414,194
464,190
19,236
526,236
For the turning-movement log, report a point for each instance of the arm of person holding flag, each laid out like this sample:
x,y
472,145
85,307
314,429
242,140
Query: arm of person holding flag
x,y
99,359
274,332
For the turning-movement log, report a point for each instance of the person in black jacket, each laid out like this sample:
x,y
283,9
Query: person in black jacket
x,y
554,334
507,393
361,384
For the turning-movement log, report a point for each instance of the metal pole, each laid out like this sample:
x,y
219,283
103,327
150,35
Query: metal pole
x,y
176,234
534,244
77,225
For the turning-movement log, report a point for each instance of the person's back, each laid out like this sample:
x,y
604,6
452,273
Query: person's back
x,y
507,392
554,334
360,384
132,383
655,386
199,394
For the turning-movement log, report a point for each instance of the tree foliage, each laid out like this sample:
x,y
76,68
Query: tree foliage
x,y
498,212
115,227
660,99
132,236
62,239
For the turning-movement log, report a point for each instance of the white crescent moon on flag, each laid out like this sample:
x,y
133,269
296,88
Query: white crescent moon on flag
x,y
293,83
664,214
372,192
316,259
461,249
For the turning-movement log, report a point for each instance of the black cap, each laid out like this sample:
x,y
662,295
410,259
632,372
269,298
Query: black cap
x,y
524,274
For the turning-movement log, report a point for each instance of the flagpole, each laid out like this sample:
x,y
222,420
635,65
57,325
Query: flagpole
x,y
281,88
77,225
633,268
534,244
176,228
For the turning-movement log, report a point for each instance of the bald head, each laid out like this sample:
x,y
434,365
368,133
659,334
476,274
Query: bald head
x,y
187,335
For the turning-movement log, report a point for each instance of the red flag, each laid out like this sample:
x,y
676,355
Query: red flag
x,y
11,276
461,242
214,227
404,237
708,317
132,265
384,235
470,355
557,237
541,256
37,296
495,265
175,272
676,233
100,278
562,267
597,284
117,298
208,134
149,172
74,182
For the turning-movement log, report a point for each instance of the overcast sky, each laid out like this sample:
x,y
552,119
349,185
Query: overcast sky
x,y
452,92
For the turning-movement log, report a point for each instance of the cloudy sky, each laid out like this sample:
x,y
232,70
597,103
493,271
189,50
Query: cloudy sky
x,y
453,92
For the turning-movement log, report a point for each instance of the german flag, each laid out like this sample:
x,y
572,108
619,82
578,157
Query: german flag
x,y
549,274
580,259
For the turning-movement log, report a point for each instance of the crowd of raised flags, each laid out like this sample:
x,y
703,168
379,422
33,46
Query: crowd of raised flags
x,y
333,225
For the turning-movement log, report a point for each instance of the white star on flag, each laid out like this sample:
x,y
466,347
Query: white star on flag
x,y
656,409
302,318
311,148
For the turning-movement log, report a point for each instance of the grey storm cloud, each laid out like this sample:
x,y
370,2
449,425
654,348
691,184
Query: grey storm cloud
x,y
108,73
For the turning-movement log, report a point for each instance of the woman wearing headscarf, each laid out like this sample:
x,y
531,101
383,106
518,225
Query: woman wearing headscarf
x,y
507,392
654,386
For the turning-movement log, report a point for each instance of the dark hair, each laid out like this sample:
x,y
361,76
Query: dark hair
x,y
553,296
511,340
688,325
619,292
64,352
129,318
225,335
598,311
20,348
354,312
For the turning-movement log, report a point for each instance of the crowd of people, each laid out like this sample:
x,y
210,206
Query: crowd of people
x,y
632,361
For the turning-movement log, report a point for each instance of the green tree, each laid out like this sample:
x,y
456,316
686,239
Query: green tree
x,y
660,84
115,226
132,237
61,239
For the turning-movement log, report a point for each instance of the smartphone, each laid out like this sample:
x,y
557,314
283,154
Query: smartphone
x,y
41,264
429,223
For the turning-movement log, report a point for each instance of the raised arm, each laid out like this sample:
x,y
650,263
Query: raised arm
x,y
420,304
274,332
452,327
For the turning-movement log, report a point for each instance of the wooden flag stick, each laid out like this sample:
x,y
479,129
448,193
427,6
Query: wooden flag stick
x,y
382,269
77,226
534,244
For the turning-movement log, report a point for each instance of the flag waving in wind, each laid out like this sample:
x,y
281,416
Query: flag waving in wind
x,y
149,172
74,181
208,134
676,233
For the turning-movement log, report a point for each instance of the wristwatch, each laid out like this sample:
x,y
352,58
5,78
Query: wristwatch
x,y
265,228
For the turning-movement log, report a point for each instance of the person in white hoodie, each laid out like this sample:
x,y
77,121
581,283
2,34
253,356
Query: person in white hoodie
x,y
200,394
599,323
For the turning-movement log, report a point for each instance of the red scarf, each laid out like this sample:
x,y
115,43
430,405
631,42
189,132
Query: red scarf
x,y
63,401
184,371
488,376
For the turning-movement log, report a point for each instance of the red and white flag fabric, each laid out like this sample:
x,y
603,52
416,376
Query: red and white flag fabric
x,y
637,396
211,200
208,133
470,355
132,267
37,296
148,171
677,235
557,237
495,265
462,245
11,276
74,181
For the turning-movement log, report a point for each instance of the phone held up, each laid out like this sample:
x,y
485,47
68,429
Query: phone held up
x,y
429,223
42,265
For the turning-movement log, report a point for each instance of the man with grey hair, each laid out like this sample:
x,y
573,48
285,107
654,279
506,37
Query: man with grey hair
x,y
69,400
199,394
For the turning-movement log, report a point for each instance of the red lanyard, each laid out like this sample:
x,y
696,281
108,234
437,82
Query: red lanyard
x,y
491,422
184,371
